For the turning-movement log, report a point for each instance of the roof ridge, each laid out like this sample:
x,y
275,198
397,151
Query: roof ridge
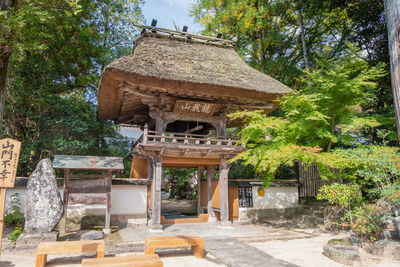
x,y
179,35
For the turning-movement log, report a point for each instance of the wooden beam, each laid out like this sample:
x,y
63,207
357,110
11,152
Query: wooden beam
x,y
179,33
190,161
223,189
213,120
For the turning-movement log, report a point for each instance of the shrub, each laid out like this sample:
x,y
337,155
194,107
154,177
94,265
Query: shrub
x,y
367,221
13,215
342,195
16,233
391,193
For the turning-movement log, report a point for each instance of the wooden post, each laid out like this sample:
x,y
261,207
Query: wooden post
x,y
221,129
199,174
9,151
223,189
65,198
149,169
210,176
157,193
145,133
392,13
107,224
2,206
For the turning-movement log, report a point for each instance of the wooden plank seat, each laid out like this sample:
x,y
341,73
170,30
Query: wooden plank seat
x,y
68,247
153,242
130,261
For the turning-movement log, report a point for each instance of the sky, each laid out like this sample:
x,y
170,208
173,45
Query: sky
x,y
166,12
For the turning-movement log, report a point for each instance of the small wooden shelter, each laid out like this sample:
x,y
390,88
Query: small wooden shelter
x,y
88,183
177,87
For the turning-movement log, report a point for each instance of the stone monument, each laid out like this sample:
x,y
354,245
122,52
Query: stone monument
x,y
43,207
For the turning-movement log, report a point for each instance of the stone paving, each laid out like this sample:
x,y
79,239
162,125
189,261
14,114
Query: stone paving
x,y
227,244
234,253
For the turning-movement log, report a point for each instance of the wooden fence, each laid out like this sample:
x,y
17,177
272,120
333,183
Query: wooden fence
x,y
310,180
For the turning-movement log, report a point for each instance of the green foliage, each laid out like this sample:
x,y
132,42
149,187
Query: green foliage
x,y
392,194
181,183
267,33
373,168
13,215
329,99
343,195
367,221
51,103
13,236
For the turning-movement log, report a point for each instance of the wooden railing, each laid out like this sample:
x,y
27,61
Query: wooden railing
x,y
185,138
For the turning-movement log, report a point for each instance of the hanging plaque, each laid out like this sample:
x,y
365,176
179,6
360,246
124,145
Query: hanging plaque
x,y
204,108
9,155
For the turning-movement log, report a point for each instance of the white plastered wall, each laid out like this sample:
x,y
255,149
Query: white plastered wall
x,y
279,197
276,197
125,199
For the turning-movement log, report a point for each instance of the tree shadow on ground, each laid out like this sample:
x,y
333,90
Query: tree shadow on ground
x,y
6,264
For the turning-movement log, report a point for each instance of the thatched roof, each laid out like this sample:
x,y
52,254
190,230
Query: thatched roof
x,y
182,68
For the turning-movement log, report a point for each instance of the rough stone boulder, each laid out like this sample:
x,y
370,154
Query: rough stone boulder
x,y
92,235
388,249
43,207
347,255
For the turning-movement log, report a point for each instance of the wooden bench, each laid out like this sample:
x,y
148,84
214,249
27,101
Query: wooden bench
x,y
68,247
153,242
131,261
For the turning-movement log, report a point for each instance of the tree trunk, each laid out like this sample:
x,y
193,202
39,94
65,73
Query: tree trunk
x,y
303,40
392,13
5,54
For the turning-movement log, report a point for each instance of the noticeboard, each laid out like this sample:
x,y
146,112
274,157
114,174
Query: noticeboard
x,y
9,155
245,196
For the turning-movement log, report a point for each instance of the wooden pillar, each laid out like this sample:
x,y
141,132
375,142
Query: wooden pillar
x,y
149,168
210,176
223,189
156,218
65,197
107,224
221,129
199,174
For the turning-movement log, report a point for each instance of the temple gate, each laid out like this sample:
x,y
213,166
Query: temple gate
x,y
179,88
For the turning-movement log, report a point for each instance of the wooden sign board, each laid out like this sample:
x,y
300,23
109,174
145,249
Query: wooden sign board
x,y
9,155
183,106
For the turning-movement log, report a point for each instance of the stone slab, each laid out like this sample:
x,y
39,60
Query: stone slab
x,y
234,253
348,255
31,241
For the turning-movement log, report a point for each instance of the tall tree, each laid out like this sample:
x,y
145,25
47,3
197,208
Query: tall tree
x,y
277,37
24,28
51,101
392,12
